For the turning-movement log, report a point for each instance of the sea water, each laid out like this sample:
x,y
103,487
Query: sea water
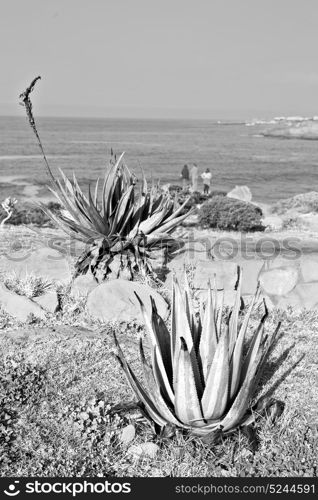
x,y
273,168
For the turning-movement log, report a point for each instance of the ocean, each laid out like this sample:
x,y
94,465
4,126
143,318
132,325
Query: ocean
x,y
273,168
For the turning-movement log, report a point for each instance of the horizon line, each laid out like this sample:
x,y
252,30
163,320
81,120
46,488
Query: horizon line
x,y
128,117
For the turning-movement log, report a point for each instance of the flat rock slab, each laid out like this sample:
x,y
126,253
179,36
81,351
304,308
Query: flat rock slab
x,y
115,300
284,280
224,272
18,306
45,262
279,281
242,193
303,296
225,298
309,268
83,285
250,275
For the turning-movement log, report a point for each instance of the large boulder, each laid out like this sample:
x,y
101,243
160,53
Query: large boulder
x,y
242,193
45,262
115,300
18,306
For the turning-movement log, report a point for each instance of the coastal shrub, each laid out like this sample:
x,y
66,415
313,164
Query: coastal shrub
x,y
8,206
229,214
196,198
32,215
20,381
302,203
21,384
30,286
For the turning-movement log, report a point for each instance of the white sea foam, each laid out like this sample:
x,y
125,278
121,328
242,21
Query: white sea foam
x,y
19,157
18,180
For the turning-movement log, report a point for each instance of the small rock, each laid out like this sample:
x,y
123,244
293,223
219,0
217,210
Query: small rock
x,y
83,285
242,193
128,434
279,281
18,306
273,222
115,300
309,269
143,450
49,301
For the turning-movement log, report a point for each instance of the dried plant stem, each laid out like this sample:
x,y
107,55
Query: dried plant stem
x,y
27,103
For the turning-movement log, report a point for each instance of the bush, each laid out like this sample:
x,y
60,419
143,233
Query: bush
x,y
303,203
30,286
32,215
196,198
21,383
230,214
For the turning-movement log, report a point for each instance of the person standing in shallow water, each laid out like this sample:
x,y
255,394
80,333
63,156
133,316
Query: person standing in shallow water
x,y
206,177
185,176
194,177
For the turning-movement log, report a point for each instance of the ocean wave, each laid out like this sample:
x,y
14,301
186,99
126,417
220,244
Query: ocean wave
x,y
18,180
19,157
34,157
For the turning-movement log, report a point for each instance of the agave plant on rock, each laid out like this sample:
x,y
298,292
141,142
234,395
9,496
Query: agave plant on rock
x,y
122,229
204,372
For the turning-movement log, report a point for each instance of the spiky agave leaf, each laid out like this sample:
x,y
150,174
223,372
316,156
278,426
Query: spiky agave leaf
x,y
212,386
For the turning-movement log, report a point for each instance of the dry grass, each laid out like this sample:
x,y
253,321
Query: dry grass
x,y
79,365
75,354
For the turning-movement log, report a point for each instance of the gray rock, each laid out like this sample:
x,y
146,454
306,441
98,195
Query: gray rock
x,y
18,306
250,275
309,269
279,281
203,271
303,296
115,301
128,434
45,262
242,193
83,285
225,271
139,451
228,298
273,222
49,301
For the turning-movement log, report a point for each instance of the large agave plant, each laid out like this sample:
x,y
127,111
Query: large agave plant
x,y
121,229
204,371
120,224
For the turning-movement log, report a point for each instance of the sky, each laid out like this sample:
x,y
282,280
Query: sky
x,y
161,58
